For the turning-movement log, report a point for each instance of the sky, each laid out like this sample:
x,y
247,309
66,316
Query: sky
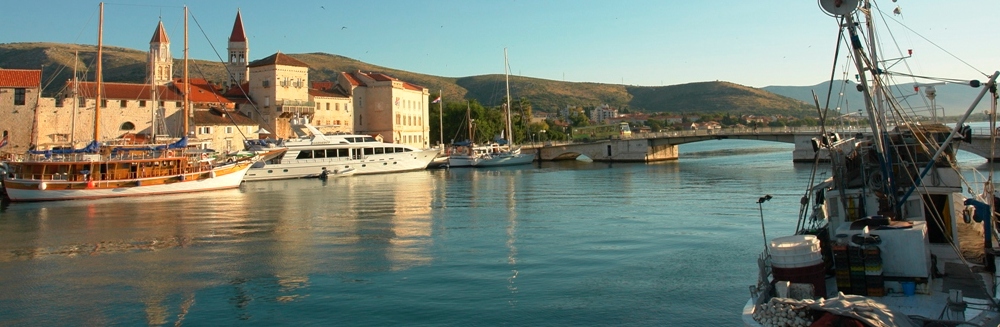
x,y
632,42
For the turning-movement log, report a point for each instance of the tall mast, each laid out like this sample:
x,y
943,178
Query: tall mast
x,y
506,74
187,83
152,97
76,97
440,121
99,77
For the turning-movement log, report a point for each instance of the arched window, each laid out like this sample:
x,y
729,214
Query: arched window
x,y
128,126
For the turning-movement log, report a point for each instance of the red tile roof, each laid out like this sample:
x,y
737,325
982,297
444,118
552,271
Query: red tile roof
x,y
160,36
411,86
278,59
381,77
219,116
324,85
333,93
238,34
27,78
352,79
241,91
201,91
127,91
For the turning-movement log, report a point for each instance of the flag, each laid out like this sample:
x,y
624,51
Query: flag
x,y
437,100
3,141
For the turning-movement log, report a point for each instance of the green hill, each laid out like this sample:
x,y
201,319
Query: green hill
x,y
128,65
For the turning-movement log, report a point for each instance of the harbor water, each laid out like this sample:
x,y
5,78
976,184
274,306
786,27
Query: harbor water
x,y
551,244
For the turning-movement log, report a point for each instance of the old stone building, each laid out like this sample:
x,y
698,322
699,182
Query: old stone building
x,y
20,90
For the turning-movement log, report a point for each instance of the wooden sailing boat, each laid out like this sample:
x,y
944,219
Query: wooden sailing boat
x,y
884,244
103,171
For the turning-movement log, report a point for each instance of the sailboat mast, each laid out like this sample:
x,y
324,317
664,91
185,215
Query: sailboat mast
x,y
187,83
99,77
76,96
152,98
506,73
441,120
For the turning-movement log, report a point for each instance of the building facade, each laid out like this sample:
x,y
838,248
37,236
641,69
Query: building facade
x,y
20,93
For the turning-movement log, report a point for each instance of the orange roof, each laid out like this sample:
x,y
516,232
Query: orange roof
x,y
240,91
334,93
127,91
27,78
160,36
219,116
201,91
324,85
352,79
278,59
381,77
411,86
238,34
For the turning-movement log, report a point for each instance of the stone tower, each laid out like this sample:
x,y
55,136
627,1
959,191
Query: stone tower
x,y
238,52
161,64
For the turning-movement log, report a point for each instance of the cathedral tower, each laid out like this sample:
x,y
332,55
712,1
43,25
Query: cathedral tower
x,y
238,52
161,64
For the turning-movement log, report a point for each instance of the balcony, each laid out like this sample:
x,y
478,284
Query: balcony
x,y
295,106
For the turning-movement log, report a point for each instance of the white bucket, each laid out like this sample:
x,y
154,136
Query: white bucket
x,y
795,251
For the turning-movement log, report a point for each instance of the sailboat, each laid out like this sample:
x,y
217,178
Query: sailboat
x,y
105,171
890,239
504,152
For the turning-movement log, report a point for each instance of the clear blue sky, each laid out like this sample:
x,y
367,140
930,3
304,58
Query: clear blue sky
x,y
650,43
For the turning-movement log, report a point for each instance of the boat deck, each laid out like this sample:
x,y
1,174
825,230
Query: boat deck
x,y
931,299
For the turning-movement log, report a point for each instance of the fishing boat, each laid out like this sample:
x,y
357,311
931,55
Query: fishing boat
x,y
109,170
312,152
891,238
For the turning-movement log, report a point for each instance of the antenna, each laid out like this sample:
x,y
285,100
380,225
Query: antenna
x,y
838,7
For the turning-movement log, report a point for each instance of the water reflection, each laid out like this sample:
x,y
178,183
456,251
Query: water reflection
x,y
267,239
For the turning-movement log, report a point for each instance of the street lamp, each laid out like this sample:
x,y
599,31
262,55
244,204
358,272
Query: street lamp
x,y
541,138
760,206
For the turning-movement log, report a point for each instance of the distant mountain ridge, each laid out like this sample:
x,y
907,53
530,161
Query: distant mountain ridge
x,y
954,98
128,65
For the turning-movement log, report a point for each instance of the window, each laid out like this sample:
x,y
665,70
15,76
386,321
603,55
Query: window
x,y
179,104
229,129
266,84
397,119
205,130
59,102
327,106
104,103
19,96
142,103
127,126
161,103
123,103
305,154
83,102
338,107
317,106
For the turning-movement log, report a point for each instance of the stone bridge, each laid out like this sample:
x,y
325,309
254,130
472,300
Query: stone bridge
x,y
649,147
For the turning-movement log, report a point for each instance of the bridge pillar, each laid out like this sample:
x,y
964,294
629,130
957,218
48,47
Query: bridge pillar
x,y
662,152
635,150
